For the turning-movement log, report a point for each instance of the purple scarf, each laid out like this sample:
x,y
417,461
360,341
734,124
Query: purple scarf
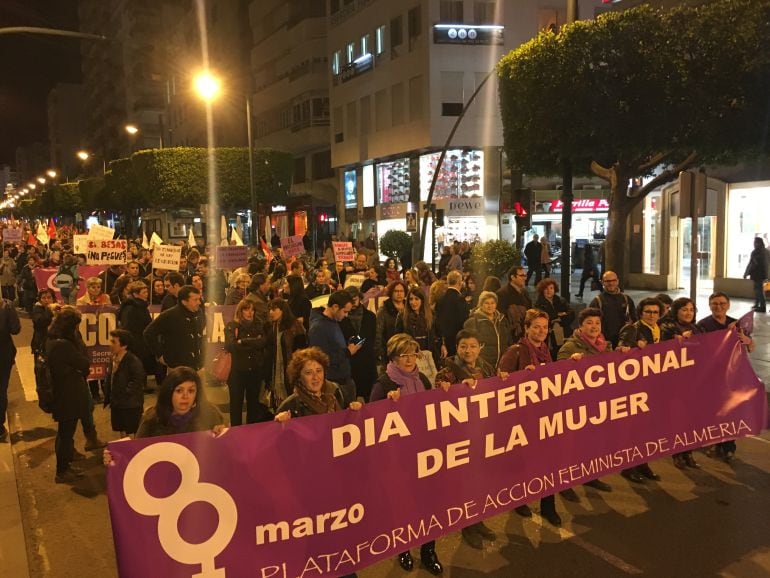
x,y
537,355
408,382
180,421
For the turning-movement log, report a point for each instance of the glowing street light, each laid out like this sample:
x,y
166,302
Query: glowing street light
x,y
32,186
41,180
131,129
51,173
83,155
207,86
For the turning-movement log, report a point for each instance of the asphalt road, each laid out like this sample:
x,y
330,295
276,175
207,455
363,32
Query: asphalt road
x,y
695,523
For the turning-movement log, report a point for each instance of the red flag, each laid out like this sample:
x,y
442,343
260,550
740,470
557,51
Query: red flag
x,y
266,250
51,229
31,240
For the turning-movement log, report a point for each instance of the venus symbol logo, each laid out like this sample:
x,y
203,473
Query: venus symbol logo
x,y
170,508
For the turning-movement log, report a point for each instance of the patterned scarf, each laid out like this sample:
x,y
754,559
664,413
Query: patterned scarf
x,y
408,382
326,402
599,346
537,355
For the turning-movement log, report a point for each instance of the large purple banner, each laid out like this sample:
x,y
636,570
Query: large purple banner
x,y
327,495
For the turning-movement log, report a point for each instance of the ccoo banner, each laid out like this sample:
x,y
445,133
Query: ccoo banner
x,y
330,494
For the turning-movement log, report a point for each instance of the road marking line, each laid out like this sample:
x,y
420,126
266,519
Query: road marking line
x,y
25,365
759,439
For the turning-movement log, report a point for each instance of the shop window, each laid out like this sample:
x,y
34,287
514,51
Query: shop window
x,y
350,52
461,175
415,98
393,182
745,220
652,233
451,11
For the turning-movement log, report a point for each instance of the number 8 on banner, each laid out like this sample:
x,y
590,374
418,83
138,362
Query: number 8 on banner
x,y
170,508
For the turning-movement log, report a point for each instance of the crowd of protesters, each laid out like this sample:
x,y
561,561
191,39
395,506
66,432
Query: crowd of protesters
x,y
303,341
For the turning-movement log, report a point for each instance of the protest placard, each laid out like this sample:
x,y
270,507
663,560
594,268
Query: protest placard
x,y
96,231
79,244
292,246
107,251
231,256
12,235
465,455
343,250
167,257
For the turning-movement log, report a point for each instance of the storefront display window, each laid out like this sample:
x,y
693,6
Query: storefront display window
x,y
351,199
746,219
393,182
652,233
461,175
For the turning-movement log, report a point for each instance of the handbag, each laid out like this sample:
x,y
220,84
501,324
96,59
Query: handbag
x,y
223,363
426,365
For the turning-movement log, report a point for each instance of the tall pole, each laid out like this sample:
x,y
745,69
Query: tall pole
x,y
567,196
252,191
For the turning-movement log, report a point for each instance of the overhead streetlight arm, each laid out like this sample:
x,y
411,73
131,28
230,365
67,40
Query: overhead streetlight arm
x,y
50,32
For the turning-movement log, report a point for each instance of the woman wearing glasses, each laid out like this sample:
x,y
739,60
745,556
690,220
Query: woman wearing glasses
x,y
401,377
639,334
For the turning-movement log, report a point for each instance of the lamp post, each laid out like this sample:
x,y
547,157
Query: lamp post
x,y
85,156
208,88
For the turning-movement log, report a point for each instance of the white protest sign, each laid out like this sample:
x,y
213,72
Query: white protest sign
x,y
343,250
354,280
12,235
292,246
100,232
167,257
80,244
107,251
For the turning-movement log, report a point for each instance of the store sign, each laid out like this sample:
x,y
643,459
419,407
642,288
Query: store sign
x,y
278,208
396,211
350,190
489,34
580,206
411,222
464,207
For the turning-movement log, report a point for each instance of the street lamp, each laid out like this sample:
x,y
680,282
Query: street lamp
x,y
85,156
208,88
41,180
131,129
32,186
51,173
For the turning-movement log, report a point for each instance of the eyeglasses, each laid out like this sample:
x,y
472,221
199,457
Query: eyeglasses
x,y
410,355
650,312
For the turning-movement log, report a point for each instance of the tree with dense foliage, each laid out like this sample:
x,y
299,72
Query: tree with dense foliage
x,y
640,93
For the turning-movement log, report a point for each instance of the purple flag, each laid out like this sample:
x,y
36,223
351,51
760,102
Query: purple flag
x,y
327,495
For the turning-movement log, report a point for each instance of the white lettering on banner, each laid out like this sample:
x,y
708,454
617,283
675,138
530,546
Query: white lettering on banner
x,y
310,526
347,438
169,508
167,257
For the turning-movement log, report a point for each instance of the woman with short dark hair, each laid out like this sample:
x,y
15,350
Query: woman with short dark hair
x,y
284,334
560,315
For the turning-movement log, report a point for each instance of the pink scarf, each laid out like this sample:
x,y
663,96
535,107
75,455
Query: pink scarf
x,y
537,355
408,382
600,346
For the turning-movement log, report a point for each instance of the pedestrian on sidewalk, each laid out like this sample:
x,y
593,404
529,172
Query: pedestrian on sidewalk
x,y
756,270
9,325
533,251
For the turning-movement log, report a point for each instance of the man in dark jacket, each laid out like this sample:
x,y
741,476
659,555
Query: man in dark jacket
x,y
175,336
9,325
513,300
451,312
172,283
125,383
361,323
326,334
533,251
259,289
617,308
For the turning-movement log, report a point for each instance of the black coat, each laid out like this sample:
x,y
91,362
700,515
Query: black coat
x,y
177,335
41,319
386,328
124,389
246,342
68,363
292,339
385,385
451,312
617,310
363,364
134,316
9,325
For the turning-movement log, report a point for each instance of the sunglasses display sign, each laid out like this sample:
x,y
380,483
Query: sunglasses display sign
x,y
461,175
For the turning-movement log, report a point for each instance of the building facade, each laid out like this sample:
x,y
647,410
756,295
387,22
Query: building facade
x,y
401,74
65,128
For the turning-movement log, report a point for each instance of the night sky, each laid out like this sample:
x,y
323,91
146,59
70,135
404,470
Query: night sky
x,y
30,66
